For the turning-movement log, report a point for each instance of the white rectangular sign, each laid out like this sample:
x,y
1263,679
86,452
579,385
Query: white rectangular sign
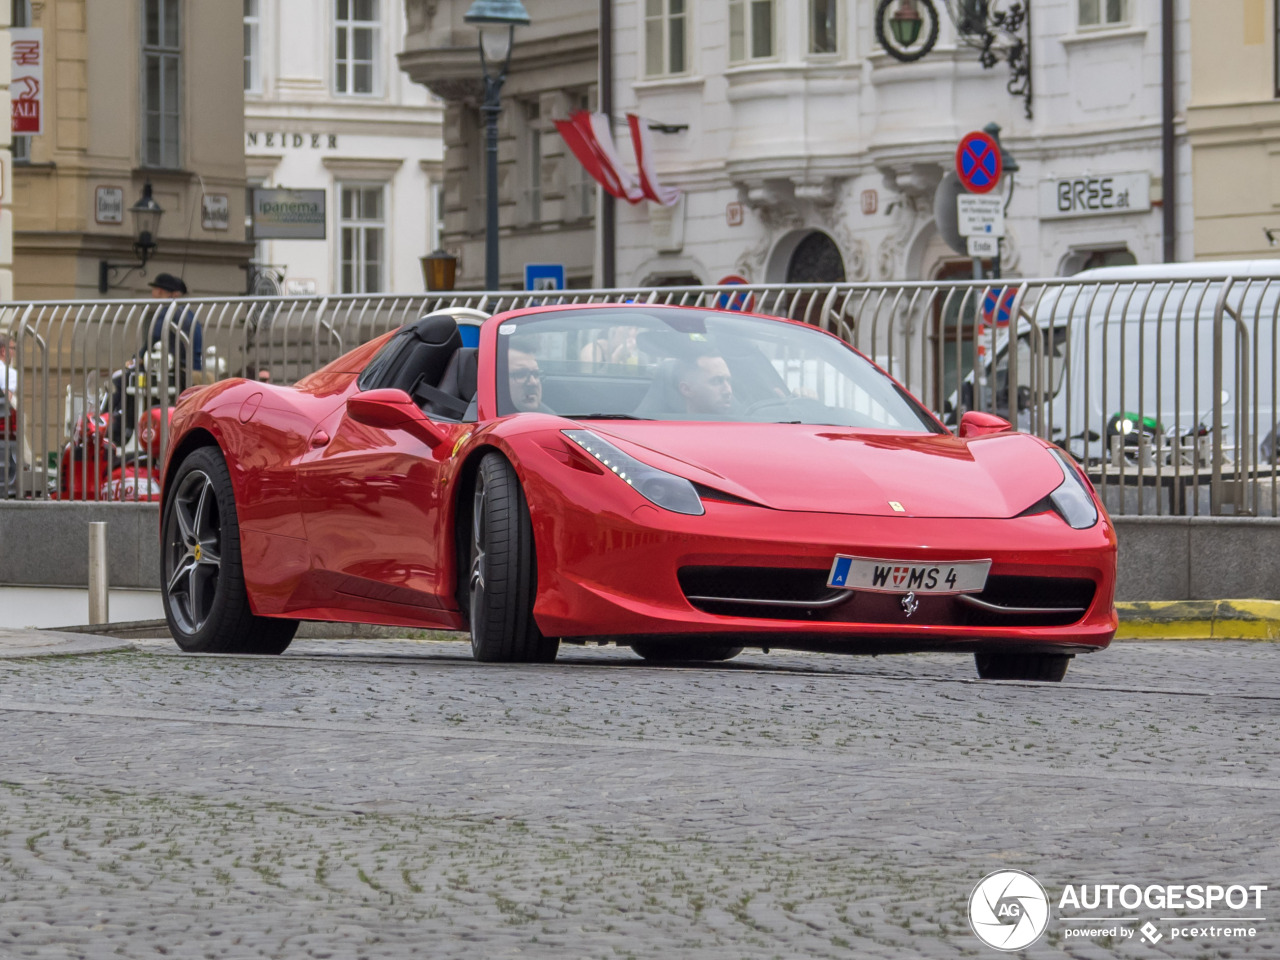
x,y
983,247
1095,196
215,211
26,83
108,205
980,215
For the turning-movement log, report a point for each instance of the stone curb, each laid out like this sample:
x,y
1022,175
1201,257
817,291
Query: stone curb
x,y
52,643
1200,620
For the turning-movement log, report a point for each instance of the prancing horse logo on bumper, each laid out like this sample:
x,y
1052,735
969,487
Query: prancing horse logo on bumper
x,y
910,604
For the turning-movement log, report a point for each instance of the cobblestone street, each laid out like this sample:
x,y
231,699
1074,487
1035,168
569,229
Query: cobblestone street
x,y
394,799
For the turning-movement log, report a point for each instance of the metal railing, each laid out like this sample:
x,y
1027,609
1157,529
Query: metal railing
x,y
1165,388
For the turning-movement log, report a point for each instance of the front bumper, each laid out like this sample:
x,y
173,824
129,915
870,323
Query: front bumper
x,y
603,574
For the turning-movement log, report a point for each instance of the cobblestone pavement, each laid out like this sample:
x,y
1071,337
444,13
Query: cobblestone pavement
x,y
393,799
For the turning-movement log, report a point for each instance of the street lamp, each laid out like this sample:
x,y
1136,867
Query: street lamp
x,y
497,20
439,269
146,215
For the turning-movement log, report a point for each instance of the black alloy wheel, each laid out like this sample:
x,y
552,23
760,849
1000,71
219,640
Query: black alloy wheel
x,y
205,602
501,574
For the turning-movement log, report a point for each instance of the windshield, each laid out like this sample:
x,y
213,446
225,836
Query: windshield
x,y
668,363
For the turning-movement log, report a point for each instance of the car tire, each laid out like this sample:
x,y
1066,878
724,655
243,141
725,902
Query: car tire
x,y
202,579
666,653
1046,667
502,577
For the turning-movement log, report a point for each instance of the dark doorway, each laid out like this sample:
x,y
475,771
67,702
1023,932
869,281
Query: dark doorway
x,y
816,259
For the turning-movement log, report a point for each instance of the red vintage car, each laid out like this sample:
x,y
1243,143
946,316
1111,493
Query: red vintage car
x,y
688,482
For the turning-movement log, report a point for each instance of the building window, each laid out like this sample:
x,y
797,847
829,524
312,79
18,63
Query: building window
x,y
363,228
664,37
252,48
356,38
1103,13
162,89
822,27
20,148
750,30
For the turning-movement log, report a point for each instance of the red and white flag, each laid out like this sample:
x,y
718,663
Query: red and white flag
x,y
644,160
587,135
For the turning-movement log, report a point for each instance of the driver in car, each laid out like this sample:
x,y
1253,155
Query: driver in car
x,y
705,384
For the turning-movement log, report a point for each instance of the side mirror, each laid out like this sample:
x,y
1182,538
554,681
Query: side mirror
x,y
978,424
393,409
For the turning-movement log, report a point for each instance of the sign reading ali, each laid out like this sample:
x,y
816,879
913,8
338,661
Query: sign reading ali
x,y
26,84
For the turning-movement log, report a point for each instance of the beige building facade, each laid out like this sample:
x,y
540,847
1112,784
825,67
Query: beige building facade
x,y
1234,124
135,92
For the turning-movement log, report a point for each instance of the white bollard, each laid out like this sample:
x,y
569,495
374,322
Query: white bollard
x,y
98,582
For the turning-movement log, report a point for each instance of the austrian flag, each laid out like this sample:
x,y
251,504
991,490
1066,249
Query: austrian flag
x,y
588,136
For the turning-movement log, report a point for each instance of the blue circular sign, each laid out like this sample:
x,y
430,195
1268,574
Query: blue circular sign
x,y
978,162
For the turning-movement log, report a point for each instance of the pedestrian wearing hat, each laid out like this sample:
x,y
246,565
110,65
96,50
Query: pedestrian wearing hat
x,y
186,356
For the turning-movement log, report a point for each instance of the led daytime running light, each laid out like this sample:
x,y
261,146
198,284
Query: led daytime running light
x,y
664,489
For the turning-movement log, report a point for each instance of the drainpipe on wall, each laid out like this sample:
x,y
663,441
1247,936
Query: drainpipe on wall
x,y
1169,173
608,216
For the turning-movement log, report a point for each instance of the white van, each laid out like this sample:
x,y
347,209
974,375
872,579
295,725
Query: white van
x,y
1121,362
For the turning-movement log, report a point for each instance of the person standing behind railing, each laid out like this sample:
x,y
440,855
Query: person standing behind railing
x,y
186,357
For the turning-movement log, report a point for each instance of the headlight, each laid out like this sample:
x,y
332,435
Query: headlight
x,y
1071,499
665,489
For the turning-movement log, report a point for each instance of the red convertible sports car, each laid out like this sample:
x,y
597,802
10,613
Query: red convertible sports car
x,y
684,481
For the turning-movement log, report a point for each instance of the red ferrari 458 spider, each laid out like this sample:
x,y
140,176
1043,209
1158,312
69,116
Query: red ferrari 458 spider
x,y
687,482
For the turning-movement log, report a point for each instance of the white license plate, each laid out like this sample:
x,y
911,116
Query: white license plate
x,y
903,576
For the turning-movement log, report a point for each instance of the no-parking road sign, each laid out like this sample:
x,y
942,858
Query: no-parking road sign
x,y
978,162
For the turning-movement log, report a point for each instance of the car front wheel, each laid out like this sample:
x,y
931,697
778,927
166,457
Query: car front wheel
x,y
501,575
205,602
1047,667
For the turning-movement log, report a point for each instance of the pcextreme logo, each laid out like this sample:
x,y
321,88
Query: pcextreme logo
x,y
1009,910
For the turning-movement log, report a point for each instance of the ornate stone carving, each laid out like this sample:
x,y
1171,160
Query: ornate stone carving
x,y
458,89
915,184
784,205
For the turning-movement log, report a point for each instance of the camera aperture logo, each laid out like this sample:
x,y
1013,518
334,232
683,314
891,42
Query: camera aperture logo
x,y
1008,910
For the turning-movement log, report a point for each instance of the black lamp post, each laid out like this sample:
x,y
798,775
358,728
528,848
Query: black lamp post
x,y
146,215
497,20
1010,166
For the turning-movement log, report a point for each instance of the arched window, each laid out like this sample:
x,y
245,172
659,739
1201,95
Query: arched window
x,y
816,259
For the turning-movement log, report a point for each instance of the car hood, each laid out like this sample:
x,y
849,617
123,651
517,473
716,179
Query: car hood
x,y
828,469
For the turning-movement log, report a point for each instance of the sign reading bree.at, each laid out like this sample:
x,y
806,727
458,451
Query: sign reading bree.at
x,y
1095,196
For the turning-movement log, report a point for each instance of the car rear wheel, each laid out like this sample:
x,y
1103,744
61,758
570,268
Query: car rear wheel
x,y
1048,667
202,583
664,653
501,576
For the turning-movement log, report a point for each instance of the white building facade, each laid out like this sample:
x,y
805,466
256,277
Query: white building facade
x,y
812,155
327,108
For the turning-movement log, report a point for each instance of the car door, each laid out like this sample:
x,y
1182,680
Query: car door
x,y
374,510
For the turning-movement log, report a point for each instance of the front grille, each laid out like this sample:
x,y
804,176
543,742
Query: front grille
x,y
782,593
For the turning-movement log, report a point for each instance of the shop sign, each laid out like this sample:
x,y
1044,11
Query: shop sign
x,y
1095,195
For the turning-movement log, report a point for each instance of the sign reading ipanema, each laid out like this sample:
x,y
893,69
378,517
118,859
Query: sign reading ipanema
x,y
26,84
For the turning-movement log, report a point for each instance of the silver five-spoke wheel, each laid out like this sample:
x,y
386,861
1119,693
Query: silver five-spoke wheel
x,y
195,551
